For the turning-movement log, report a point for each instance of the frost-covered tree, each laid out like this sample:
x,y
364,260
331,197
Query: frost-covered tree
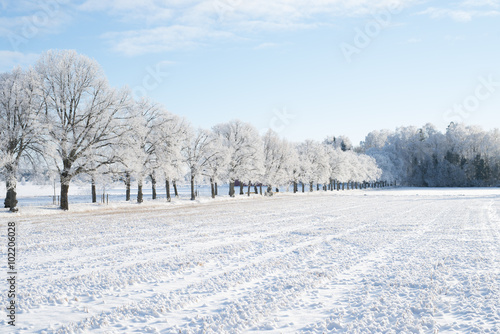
x,y
367,170
375,139
140,147
20,128
81,112
463,156
216,167
389,164
173,135
314,163
199,152
279,160
293,168
340,142
335,161
245,149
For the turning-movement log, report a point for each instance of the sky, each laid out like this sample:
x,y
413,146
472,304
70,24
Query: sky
x,y
306,69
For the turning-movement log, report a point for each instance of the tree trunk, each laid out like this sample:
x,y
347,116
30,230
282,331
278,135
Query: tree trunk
x,y
64,196
231,188
12,199
140,198
255,189
11,196
249,187
343,185
277,189
193,196
65,180
212,187
8,195
11,183
216,189
127,186
94,193
317,186
260,190
6,202
241,189
167,188
153,186
310,186
303,187
295,187
176,193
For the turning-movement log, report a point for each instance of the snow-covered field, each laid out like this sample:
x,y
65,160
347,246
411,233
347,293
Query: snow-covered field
x,y
376,261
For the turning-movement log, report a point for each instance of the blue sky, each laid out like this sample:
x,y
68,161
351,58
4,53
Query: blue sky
x,y
307,69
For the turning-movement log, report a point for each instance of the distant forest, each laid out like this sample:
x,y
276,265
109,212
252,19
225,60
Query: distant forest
x,y
464,156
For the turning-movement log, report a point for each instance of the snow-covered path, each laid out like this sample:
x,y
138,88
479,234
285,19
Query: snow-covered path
x,y
375,261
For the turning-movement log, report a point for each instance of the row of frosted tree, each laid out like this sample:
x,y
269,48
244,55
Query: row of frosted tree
x,y
61,118
463,156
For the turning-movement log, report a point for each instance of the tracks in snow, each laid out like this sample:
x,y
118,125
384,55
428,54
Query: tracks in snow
x,y
308,264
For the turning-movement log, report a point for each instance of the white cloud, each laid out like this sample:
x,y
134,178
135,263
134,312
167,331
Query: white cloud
x,y
10,59
174,24
137,42
25,20
465,11
481,3
148,11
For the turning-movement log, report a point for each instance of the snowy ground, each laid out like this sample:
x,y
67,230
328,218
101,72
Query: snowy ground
x,y
397,260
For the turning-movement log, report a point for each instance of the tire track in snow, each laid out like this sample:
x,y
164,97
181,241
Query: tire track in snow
x,y
340,286
229,315
102,277
291,261
412,294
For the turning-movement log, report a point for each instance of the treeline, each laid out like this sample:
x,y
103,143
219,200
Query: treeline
x,y
464,156
61,119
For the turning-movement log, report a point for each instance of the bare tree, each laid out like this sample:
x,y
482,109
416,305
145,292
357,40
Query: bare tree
x,y
314,163
280,158
20,129
82,114
245,149
216,167
172,135
199,152
138,148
